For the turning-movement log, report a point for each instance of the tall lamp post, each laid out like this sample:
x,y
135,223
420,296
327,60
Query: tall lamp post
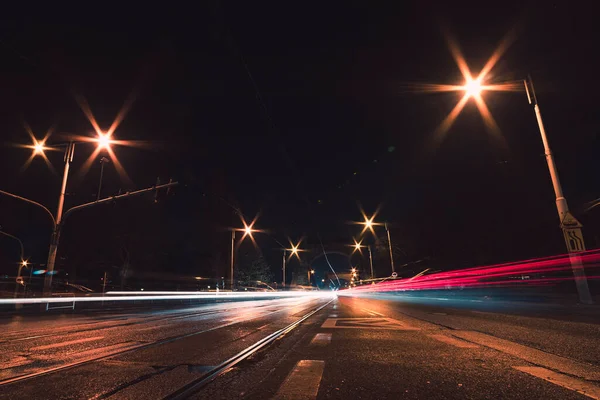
x,y
248,231
571,228
294,250
370,224
357,247
103,141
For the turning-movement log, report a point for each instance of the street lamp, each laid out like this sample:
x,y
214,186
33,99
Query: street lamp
x,y
569,225
103,142
473,87
369,223
357,247
248,231
38,148
293,250
310,272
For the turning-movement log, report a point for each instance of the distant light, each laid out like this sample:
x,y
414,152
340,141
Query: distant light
x,y
295,249
322,280
198,278
248,230
142,289
209,286
24,263
39,272
353,270
312,271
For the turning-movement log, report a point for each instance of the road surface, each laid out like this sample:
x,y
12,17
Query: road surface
x,y
300,348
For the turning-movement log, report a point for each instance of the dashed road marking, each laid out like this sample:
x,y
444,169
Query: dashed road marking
x,y
373,312
534,356
453,341
367,323
577,385
68,343
303,382
321,339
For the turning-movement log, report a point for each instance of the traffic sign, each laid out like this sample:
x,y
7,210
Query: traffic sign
x,y
570,222
572,233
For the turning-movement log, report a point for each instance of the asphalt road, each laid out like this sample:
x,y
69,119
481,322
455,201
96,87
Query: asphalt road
x,y
387,347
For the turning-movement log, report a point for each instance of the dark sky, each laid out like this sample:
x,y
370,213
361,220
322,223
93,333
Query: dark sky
x,y
299,111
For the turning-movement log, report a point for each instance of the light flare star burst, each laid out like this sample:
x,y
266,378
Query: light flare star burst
x,y
473,87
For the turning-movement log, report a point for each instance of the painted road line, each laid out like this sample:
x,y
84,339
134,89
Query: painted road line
x,y
68,343
577,385
453,341
373,312
534,356
303,382
367,323
321,339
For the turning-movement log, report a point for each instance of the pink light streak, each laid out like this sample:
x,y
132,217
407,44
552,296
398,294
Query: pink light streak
x,y
500,275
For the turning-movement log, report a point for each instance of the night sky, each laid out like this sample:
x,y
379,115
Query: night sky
x,y
298,112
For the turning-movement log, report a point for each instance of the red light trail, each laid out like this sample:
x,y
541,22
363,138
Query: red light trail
x,y
500,275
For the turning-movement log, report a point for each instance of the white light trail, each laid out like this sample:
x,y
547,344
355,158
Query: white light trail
x,y
130,296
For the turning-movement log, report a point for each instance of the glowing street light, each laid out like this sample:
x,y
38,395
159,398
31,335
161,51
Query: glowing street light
x,y
310,272
472,89
103,141
248,230
357,246
293,250
38,148
369,223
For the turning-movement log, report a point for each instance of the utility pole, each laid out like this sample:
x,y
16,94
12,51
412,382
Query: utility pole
x,y
284,256
390,247
103,160
571,228
232,259
371,261
58,218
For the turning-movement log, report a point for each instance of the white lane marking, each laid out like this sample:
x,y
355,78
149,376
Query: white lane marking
x,y
333,315
373,312
321,339
367,323
577,385
303,382
534,356
453,341
29,338
68,343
